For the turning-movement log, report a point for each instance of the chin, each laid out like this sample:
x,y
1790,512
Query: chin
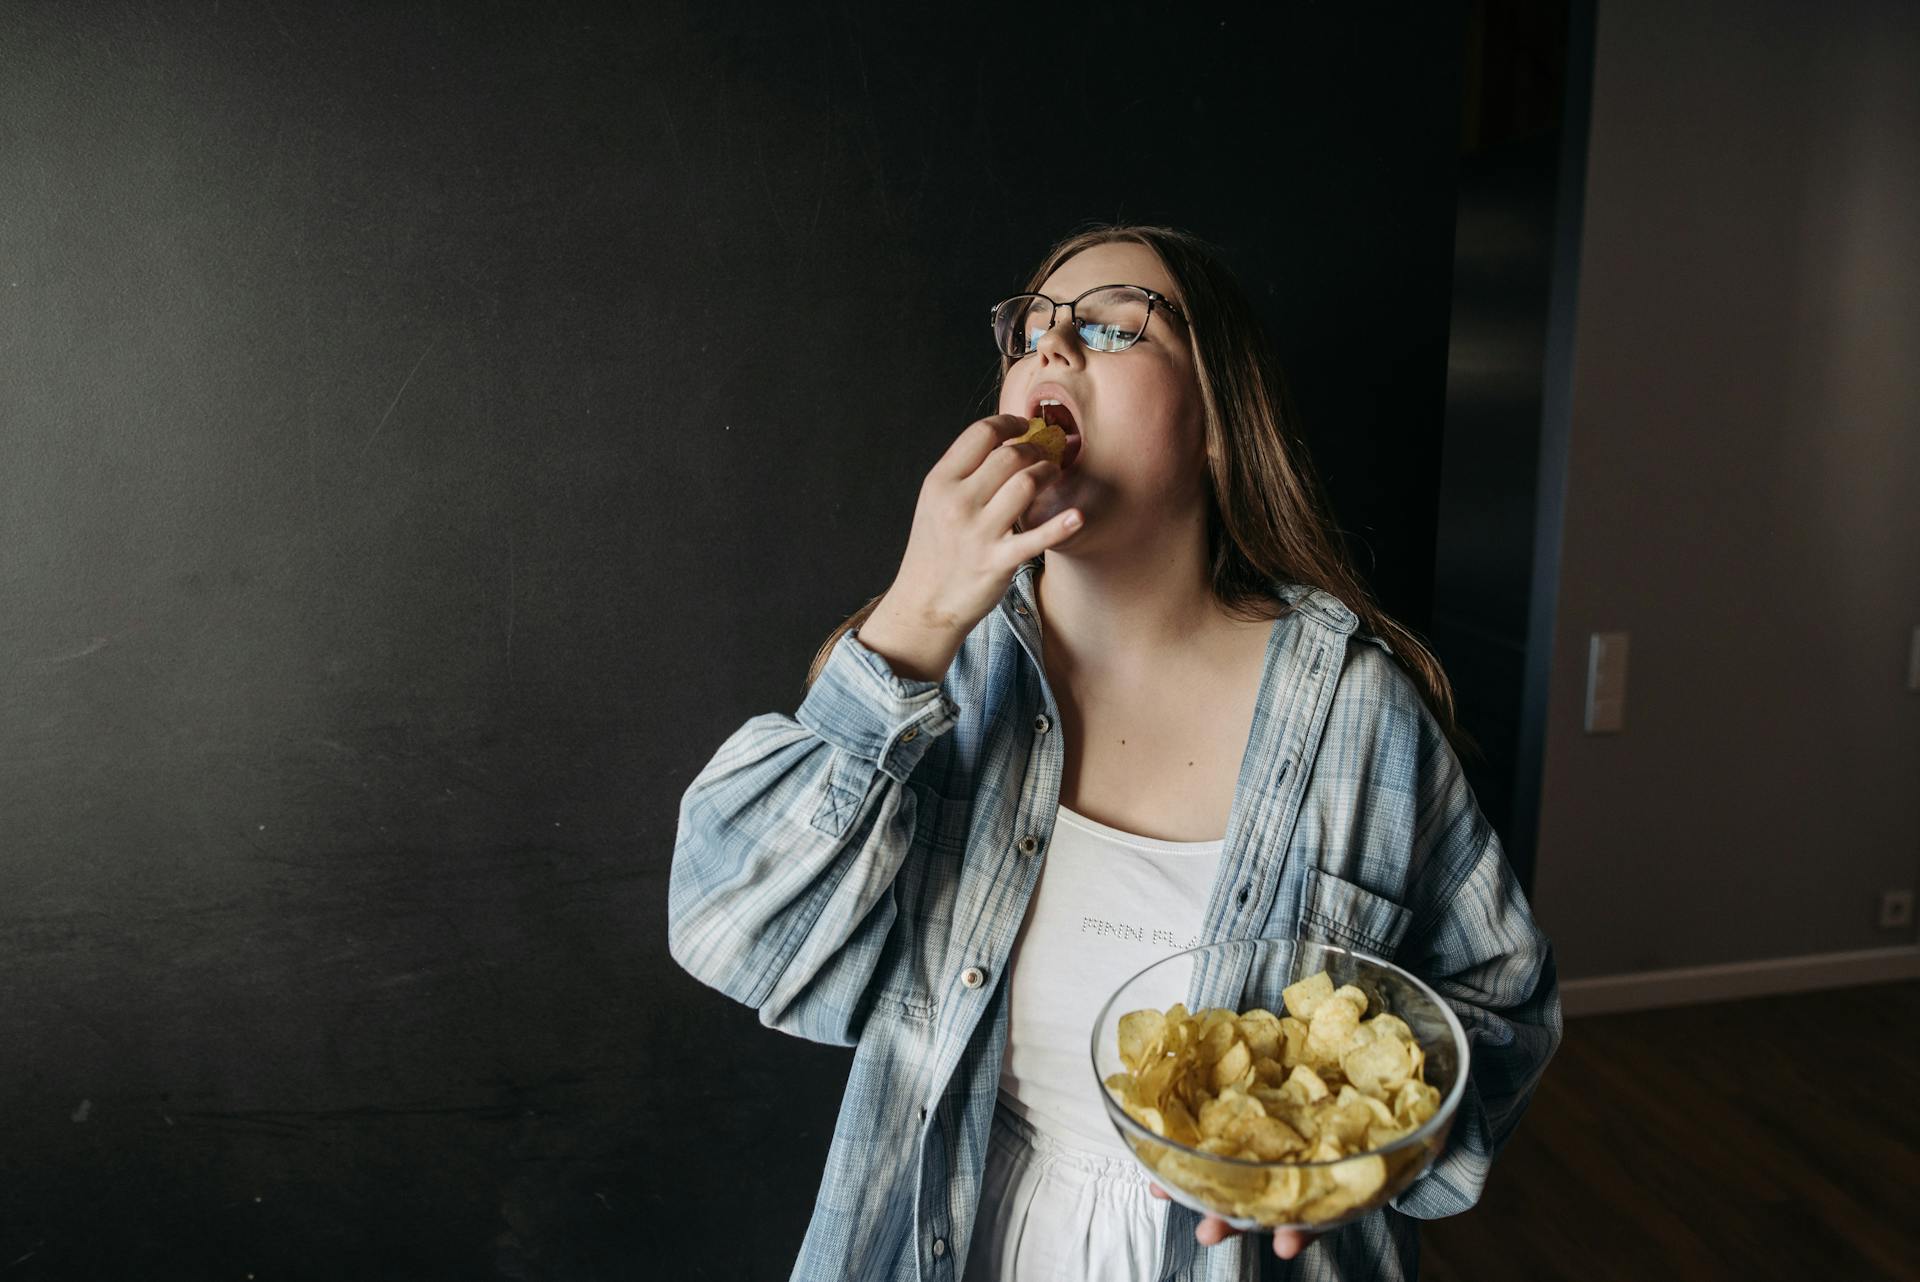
x,y
1043,509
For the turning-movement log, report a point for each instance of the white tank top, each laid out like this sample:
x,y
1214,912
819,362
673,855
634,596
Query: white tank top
x,y
1108,905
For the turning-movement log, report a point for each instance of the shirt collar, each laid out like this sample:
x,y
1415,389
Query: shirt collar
x,y
1316,603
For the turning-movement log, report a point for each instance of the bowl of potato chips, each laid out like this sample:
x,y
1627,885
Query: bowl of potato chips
x,y
1305,1112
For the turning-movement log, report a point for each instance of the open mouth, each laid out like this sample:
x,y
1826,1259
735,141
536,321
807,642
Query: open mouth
x,y
1056,413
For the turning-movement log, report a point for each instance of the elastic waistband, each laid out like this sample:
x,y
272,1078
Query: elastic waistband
x,y
1019,1130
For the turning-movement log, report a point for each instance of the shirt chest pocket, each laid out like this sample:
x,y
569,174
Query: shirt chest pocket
x,y
1347,915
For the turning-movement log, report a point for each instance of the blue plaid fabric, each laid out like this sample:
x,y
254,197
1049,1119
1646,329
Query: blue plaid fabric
x,y
857,873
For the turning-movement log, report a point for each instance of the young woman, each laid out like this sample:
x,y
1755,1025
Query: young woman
x,y
1107,709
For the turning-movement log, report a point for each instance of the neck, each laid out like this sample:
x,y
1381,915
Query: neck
x,y
1158,590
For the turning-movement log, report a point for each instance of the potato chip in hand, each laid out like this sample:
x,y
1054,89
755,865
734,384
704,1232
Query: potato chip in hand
x,y
1046,437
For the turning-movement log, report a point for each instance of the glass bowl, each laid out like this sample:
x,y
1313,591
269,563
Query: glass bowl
x,y
1294,1193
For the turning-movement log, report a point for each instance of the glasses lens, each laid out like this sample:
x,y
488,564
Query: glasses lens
x,y
1019,322
1112,319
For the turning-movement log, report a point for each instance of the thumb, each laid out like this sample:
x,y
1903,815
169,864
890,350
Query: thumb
x,y
1288,1243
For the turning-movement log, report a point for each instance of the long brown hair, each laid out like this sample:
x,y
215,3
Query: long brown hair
x,y
1268,521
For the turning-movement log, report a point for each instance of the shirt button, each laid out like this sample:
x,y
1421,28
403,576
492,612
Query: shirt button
x,y
939,1247
1029,844
1041,723
1022,611
912,733
973,977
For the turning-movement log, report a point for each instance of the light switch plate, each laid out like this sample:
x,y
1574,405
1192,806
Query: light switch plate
x,y
1606,683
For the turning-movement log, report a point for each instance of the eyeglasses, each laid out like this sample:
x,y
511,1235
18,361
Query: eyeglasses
x,y
1108,318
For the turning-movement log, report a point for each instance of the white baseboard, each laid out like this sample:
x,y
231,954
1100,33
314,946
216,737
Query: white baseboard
x,y
1647,990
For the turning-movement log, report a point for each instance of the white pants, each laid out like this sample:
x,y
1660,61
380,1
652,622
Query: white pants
x,y
1050,1213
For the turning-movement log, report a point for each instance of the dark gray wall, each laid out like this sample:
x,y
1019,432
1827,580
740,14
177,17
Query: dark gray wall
x,y
1743,497
428,431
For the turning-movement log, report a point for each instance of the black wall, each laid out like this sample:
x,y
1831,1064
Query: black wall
x,y
426,432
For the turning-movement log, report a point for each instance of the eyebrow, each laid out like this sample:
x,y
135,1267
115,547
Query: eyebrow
x,y
1132,284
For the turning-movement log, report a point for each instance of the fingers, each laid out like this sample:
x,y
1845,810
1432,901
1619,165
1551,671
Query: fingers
x,y
1016,492
1028,544
1001,465
1213,1230
971,447
1288,1243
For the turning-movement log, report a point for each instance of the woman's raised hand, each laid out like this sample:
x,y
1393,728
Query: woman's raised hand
x,y
963,549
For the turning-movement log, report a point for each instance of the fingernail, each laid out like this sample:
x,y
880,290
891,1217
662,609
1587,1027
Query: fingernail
x,y
1073,521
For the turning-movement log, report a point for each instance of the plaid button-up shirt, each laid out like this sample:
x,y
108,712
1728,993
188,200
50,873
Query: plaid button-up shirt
x,y
858,872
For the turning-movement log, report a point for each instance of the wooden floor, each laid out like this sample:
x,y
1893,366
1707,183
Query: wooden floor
x,y
1771,1138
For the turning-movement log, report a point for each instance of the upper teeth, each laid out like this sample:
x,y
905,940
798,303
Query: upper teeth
x,y
1065,419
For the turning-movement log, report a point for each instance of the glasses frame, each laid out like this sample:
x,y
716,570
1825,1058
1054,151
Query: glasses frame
x,y
1154,299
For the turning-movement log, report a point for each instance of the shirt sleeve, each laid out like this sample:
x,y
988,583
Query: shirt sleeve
x,y
1474,940
781,892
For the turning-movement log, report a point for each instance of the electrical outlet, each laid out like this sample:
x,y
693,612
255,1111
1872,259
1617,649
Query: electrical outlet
x,y
1896,909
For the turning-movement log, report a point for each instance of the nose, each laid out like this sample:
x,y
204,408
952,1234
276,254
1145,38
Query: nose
x,y
1060,342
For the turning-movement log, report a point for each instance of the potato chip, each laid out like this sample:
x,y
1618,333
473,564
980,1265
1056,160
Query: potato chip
x,y
1330,1205
1361,1177
1332,1023
1378,1067
1260,1030
1345,1121
1180,1124
1303,997
1312,1088
1415,1103
1141,1032
1267,1138
1285,1191
1153,1085
1384,1025
1218,1032
1048,438
1236,1066
1295,1031
1218,1115
1299,1114
1228,1181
